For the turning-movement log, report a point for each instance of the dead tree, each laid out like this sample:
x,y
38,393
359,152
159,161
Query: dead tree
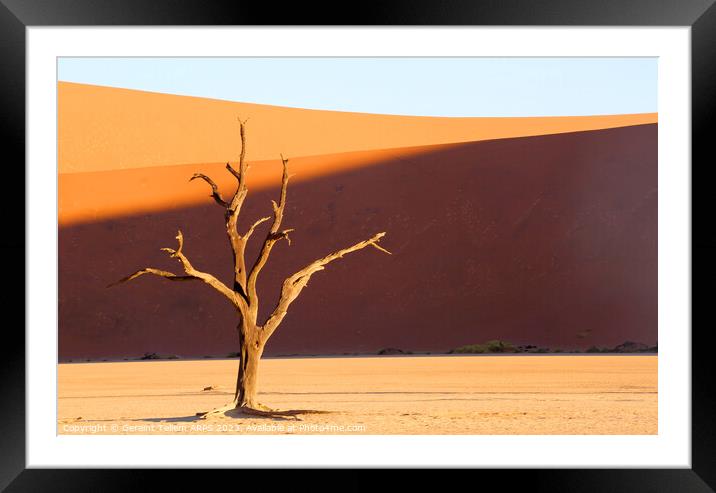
x,y
253,335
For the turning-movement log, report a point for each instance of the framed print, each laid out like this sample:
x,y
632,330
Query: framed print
x,y
432,238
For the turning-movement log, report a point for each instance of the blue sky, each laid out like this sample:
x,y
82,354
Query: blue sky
x,y
400,86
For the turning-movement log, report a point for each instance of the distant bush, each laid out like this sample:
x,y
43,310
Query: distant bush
x,y
631,347
391,350
470,349
148,356
595,349
501,347
488,347
628,347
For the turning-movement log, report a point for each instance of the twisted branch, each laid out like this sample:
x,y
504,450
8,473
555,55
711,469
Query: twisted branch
x,y
233,171
191,274
273,236
162,273
214,189
294,284
253,227
238,244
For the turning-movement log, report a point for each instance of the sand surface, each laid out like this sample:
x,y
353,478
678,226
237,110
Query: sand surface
x,y
552,394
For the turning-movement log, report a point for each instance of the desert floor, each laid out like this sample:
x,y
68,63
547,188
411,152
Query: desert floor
x,y
503,394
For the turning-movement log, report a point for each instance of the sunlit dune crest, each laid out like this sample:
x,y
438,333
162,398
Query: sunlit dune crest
x,y
104,128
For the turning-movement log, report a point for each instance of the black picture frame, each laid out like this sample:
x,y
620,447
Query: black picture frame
x,y
17,15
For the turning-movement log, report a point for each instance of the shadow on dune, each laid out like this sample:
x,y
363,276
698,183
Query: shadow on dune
x,y
530,240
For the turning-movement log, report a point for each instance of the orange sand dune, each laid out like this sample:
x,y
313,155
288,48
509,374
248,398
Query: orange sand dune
x,y
548,240
103,128
101,195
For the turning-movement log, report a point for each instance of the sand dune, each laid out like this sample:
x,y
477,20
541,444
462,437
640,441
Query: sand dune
x,y
532,240
495,395
100,195
102,128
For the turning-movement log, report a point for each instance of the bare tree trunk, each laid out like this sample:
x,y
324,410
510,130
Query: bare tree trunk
x,y
251,349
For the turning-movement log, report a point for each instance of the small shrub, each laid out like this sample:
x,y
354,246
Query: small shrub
x,y
389,351
631,347
471,349
500,347
488,347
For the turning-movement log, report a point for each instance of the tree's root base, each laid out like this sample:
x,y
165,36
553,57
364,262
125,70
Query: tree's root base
x,y
236,411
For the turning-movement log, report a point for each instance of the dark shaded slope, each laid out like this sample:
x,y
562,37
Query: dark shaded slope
x,y
531,240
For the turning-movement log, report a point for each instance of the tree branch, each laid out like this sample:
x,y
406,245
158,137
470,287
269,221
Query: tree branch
x,y
233,171
214,189
294,284
191,274
253,227
273,236
240,175
238,244
162,273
